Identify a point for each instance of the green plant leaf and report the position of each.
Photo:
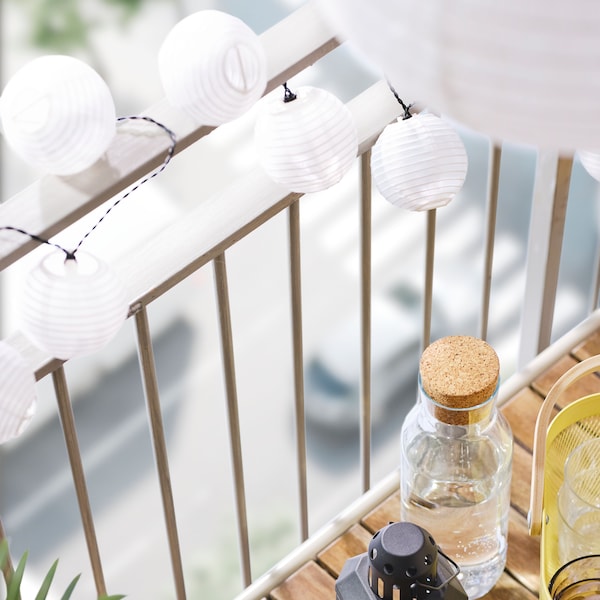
(115, 597)
(69, 590)
(45, 587)
(14, 585)
(14, 580)
(3, 553)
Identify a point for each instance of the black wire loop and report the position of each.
(288, 95)
(407, 114)
(36, 238)
(70, 254)
(161, 168)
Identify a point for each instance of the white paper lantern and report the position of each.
(17, 393)
(419, 163)
(72, 307)
(521, 71)
(58, 114)
(212, 66)
(307, 144)
(591, 163)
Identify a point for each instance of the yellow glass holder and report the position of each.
(554, 440)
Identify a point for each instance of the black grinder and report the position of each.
(403, 563)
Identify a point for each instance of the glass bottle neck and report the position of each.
(456, 421)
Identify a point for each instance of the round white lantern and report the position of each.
(419, 163)
(520, 71)
(72, 307)
(58, 114)
(307, 144)
(591, 163)
(17, 393)
(212, 66)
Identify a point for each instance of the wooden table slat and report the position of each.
(387, 512)
(508, 588)
(582, 387)
(311, 582)
(521, 411)
(354, 541)
(522, 557)
(589, 347)
(520, 485)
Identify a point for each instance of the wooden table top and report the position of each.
(520, 580)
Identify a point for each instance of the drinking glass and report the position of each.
(577, 580)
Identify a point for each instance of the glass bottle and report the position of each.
(456, 459)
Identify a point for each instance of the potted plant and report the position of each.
(13, 578)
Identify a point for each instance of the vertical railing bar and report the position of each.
(559, 211)
(220, 271)
(298, 358)
(151, 392)
(67, 420)
(365, 319)
(429, 262)
(490, 234)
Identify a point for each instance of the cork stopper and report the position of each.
(459, 372)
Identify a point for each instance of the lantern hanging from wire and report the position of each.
(307, 140)
(58, 114)
(74, 303)
(72, 306)
(17, 393)
(419, 162)
(212, 66)
(524, 72)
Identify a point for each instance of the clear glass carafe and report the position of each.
(457, 457)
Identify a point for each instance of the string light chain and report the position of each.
(70, 254)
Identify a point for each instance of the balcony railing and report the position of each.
(204, 234)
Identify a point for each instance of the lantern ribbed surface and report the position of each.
(72, 307)
(17, 393)
(307, 144)
(591, 163)
(212, 66)
(419, 163)
(521, 71)
(58, 114)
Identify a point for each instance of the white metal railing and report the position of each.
(202, 236)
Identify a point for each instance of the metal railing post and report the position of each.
(233, 414)
(147, 364)
(490, 235)
(429, 262)
(365, 320)
(67, 420)
(298, 358)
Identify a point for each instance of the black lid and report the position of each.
(404, 556)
